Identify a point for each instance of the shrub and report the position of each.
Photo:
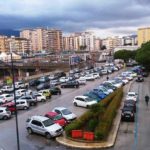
(92, 124)
(104, 126)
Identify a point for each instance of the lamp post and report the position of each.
(107, 76)
(16, 113)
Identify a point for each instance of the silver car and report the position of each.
(4, 113)
(44, 126)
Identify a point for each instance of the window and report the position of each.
(22, 102)
(37, 123)
(57, 111)
(1, 111)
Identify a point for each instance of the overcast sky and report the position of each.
(112, 17)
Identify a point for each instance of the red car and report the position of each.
(10, 106)
(57, 118)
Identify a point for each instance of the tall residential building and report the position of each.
(54, 39)
(4, 44)
(19, 45)
(43, 39)
(97, 44)
(143, 35)
(79, 41)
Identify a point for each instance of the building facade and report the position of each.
(143, 35)
(43, 39)
(4, 44)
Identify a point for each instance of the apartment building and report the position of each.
(19, 45)
(4, 44)
(43, 39)
(143, 35)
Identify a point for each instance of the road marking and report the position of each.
(136, 124)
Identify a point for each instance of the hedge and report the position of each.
(104, 126)
(96, 112)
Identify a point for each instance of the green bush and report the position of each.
(104, 126)
(92, 124)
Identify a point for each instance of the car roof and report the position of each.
(8, 104)
(81, 96)
(40, 118)
(51, 113)
(2, 108)
(60, 108)
(131, 93)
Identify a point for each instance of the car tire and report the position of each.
(75, 104)
(25, 107)
(87, 106)
(5, 118)
(48, 136)
(43, 100)
(29, 130)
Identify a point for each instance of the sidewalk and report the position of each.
(96, 145)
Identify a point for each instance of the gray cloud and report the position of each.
(76, 15)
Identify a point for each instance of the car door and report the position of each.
(80, 101)
(9, 98)
(37, 127)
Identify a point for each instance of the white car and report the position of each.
(67, 114)
(40, 97)
(6, 98)
(118, 85)
(82, 81)
(20, 84)
(7, 88)
(83, 101)
(96, 75)
(63, 79)
(22, 92)
(132, 95)
(89, 77)
(44, 126)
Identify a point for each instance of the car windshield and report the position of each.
(57, 117)
(88, 99)
(48, 122)
(1, 97)
(66, 112)
(131, 95)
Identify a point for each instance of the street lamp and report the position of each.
(16, 113)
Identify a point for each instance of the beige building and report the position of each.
(19, 45)
(43, 39)
(4, 44)
(143, 35)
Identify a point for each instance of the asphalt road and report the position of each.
(135, 136)
(125, 139)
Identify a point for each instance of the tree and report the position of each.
(103, 47)
(125, 55)
(143, 55)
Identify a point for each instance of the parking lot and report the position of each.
(36, 141)
(127, 135)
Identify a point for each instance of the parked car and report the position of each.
(92, 96)
(39, 97)
(132, 96)
(45, 93)
(4, 113)
(22, 92)
(42, 86)
(7, 89)
(127, 114)
(54, 82)
(43, 79)
(11, 107)
(89, 77)
(99, 93)
(139, 78)
(22, 104)
(34, 82)
(44, 126)
(4, 98)
(145, 74)
(21, 84)
(84, 101)
(55, 91)
(130, 103)
(70, 84)
(60, 74)
(66, 113)
(57, 118)
(81, 80)
(31, 100)
(96, 75)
